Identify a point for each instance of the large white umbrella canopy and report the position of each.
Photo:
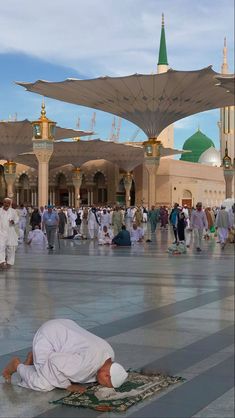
(77, 153)
(16, 137)
(152, 102)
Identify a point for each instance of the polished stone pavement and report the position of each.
(173, 314)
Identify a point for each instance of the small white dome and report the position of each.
(210, 157)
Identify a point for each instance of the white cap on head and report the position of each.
(118, 375)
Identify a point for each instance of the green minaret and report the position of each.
(162, 58)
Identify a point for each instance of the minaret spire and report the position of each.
(224, 66)
(162, 57)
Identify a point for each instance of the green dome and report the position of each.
(197, 143)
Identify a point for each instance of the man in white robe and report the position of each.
(104, 218)
(136, 233)
(37, 237)
(8, 236)
(105, 236)
(65, 354)
(22, 213)
(93, 223)
(223, 225)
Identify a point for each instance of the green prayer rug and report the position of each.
(137, 387)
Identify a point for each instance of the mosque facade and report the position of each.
(197, 176)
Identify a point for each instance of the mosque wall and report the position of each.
(177, 181)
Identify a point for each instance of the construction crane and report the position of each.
(115, 130)
(77, 138)
(134, 135)
(118, 129)
(92, 125)
(78, 123)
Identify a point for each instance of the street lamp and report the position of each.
(228, 167)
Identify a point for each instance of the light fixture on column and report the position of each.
(227, 161)
(152, 147)
(43, 128)
(228, 167)
(9, 167)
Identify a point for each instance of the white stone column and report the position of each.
(229, 182)
(53, 196)
(32, 197)
(77, 182)
(88, 197)
(43, 156)
(17, 197)
(152, 161)
(10, 177)
(127, 180)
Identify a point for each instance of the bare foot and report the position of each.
(29, 359)
(75, 388)
(11, 368)
(3, 266)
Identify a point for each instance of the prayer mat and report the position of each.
(137, 387)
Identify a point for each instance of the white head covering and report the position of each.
(118, 375)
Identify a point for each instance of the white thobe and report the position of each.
(104, 219)
(223, 223)
(8, 235)
(136, 234)
(71, 224)
(22, 218)
(37, 237)
(93, 225)
(103, 238)
(63, 352)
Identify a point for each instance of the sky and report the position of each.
(55, 40)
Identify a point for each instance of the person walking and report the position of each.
(35, 218)
(174, 220)
(153, 217)
(223, 225)
(198, 224)
(62, 222)
(8, 236)
(93, 223)
(50, 220)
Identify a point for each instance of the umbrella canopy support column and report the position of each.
(43, 138)
(152, 149)
(77, 182)
(127, 179)
(10, 177)
(228, 167)
(229, 184)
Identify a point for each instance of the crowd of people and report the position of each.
(114, 226)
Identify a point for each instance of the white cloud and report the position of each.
(116, 37)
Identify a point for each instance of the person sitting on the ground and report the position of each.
(105, 236)
(64, 355)
(136, 233)
(36, 236)
(122, 239)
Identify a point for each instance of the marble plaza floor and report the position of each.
(165, 313)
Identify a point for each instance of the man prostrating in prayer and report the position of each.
(64, 355)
